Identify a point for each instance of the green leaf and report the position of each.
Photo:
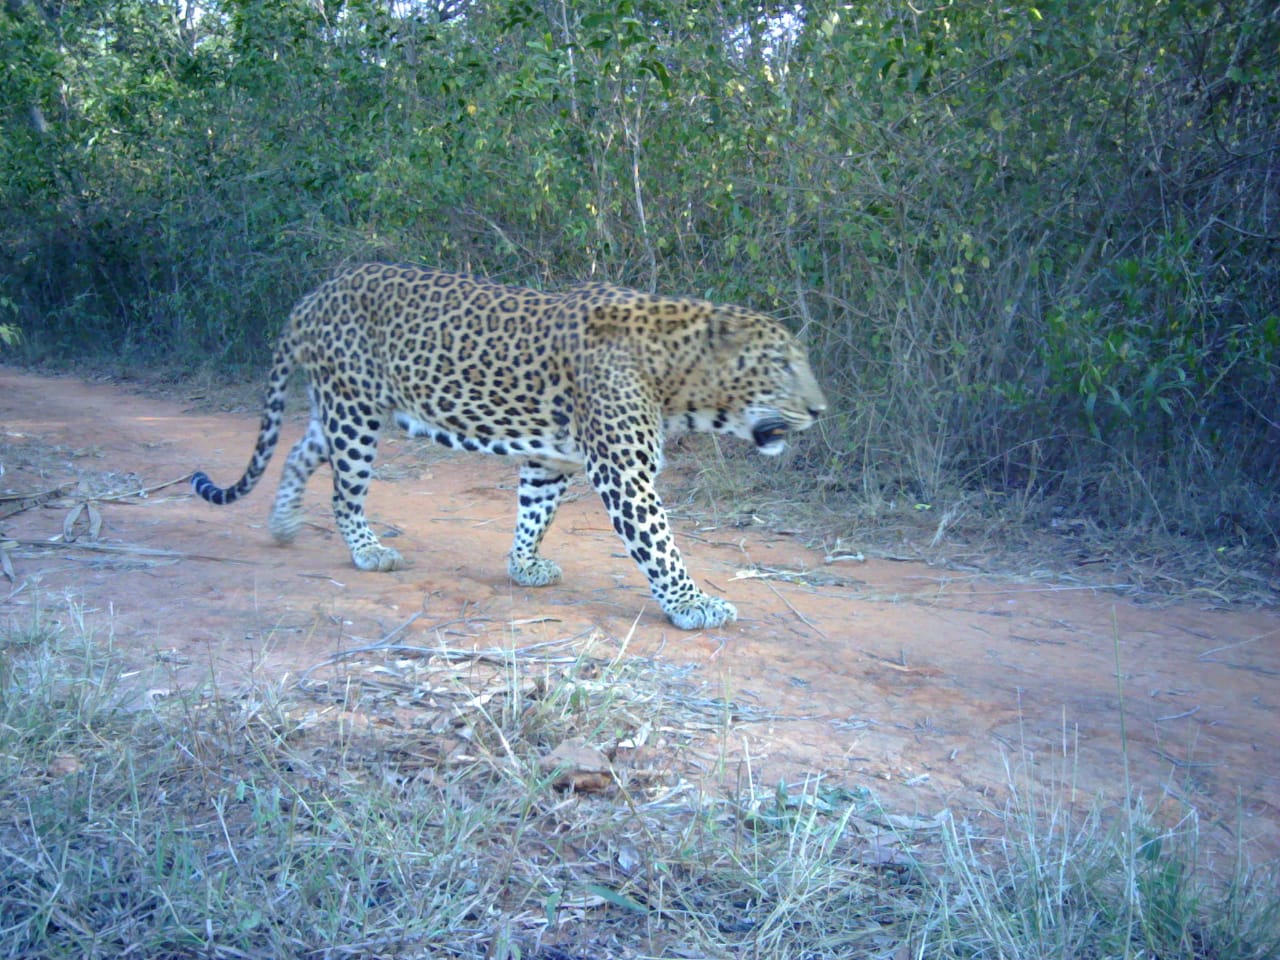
(616, 898)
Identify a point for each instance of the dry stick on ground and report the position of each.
(130, 549)
(491, 655)
(693, 704)
(141, 492)
(1208, 654)
(27, 501)
(37, 494)
(790, 606)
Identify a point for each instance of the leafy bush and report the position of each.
(1032, 246)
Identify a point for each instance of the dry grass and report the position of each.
(428, 802)
(999, 533)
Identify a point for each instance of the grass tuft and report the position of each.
(527, 804)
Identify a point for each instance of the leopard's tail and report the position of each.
(268, 433)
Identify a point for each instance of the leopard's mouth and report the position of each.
(770, 435)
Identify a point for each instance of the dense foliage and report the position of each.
(1034, 247)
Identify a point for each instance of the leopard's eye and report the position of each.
(776, 360)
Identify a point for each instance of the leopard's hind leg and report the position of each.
(307, 454)
(348, 428)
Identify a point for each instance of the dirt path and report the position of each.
(915, 682)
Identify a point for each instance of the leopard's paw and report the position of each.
(702, 612)
(285, 524)
(377, 558)
(534, 571)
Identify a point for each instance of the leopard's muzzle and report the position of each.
(770, 435)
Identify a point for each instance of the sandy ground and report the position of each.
(924, 685)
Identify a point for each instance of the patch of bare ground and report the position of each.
(920, 683)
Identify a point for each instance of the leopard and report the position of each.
(594, 378)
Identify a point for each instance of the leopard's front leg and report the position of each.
(623, 456)
(542, 485)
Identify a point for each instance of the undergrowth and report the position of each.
(327, 820)
(1005, 531)
(1030, 247)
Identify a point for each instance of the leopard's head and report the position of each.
(766, 387)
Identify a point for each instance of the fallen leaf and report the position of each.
(63, 765)
(578, 767)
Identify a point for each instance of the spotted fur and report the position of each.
(593, 378)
